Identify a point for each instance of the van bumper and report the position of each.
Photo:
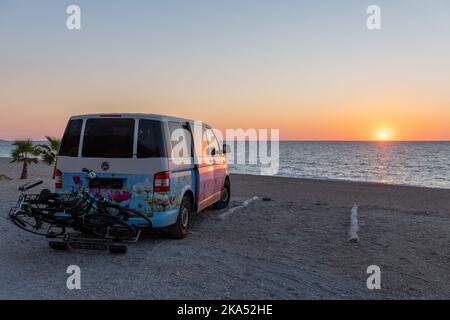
(159, 219)
(164, 218)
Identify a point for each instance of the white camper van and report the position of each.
(150, 163)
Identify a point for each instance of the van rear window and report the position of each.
(71, 140)
(108, 138)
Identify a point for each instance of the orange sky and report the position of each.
(314, 74)
(298, 123)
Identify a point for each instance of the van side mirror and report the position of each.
(211, 151)
(226, 148)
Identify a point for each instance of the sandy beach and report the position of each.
(292, 247)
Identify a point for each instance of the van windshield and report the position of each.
(108, 138)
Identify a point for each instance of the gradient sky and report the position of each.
(309, 68)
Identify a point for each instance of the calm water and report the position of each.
(410, 163)
(6, 147)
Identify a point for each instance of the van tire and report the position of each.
(180, 229)
(224, 196)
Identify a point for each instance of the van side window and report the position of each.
(180, 140)
(150, 140)
(71, 140)
(210, 142)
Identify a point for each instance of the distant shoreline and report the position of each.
(365, 141)
(313, 180)
(12, 141)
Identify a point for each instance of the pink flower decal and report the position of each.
(120, 196)
(77, 184)
(77, 180)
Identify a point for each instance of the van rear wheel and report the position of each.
(224, 196)
(180, 229)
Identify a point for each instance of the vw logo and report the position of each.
(105, 166)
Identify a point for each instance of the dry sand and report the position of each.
(293, 247)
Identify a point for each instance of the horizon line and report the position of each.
(288, 140)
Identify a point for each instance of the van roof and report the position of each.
(131, 115)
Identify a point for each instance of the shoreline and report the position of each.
(337, 193)
(386, 184)
(375, 183)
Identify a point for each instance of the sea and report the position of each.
(425, 164)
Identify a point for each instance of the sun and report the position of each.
(383, 136)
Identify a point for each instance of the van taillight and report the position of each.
(161, 182)
(58, 179)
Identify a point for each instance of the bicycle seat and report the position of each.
(54, 199)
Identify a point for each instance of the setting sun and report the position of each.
(383, 136)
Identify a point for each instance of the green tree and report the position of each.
(26, 153)
(50, 151)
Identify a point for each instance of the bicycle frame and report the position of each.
(97, 222)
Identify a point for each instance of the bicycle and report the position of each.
(95, 220)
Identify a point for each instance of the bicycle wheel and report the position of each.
(108, 227)
(32, 222)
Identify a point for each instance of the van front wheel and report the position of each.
(180, 229)
(224, 196)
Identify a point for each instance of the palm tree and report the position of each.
(26, 153)
(50, 151)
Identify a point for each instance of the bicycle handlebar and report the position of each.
(28, 187)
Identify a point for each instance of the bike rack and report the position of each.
(77, 240)
(56, 230)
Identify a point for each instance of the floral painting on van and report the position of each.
(137, 191)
